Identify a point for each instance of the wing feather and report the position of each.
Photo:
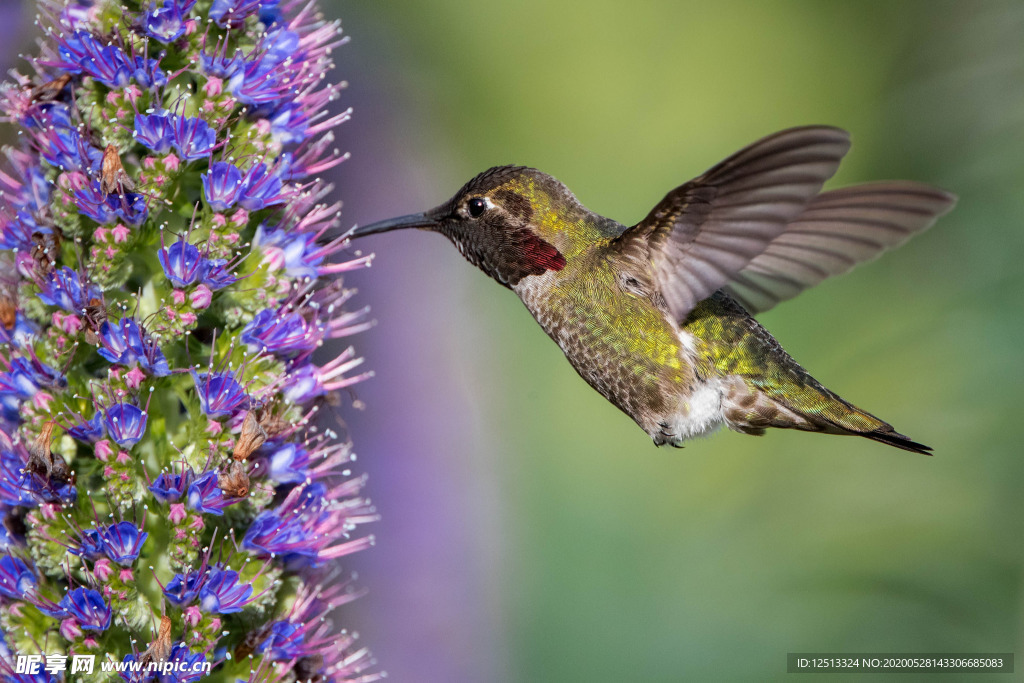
(837, 230)
(703, 233)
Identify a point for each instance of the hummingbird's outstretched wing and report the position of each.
(837, 230)
(705, 232)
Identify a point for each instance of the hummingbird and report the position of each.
(659, 317)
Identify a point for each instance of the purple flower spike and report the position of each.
(260, 188)
(155, 132)
(122, 542)
(183, 589)
(88, 607)
(221, 185)
(181, 262)
(168, 488)
(115, 283)
(205, 496)
(219, 393)
(125, 423)
(223, 594)
(16, 579)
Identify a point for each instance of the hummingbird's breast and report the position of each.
(615, 337)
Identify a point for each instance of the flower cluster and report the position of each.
(168, 489)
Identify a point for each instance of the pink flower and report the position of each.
(102, 569)
(133, 378)
(177, 513)
(192, 615)
(201, 297)
(213, 86)
(103, 450)
(70, 629)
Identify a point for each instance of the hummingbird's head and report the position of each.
(507, 220)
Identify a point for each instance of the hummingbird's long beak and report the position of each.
(423, 221)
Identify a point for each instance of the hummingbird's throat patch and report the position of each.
(534, 256)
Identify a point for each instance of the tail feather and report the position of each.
(807, 406)
(894, 438)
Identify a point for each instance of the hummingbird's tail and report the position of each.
(803, 403)
(762, 386)
(894, 438)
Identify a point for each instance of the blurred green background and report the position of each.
(598, 557)
(533, 533)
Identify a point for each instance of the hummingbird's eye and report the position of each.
(476, 206)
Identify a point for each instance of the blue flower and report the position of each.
(82, 53)
(166, 23)
(16, 579)
(205, 496)
(270, 12)
(304, 384)
(216, 275)
(181, 262)
(124, 344)
(219, 393)
(289, 464)
(298, 254)
(26, 377)
(65, 289)
(90, 545)
(232, 12)
(232, 69)
(155, 132)
(183, 589)
(63, 146)
(125, 423)
(193, 138)
(87, 430)
(221, 185)
(88, 608)
(168, 488)
(289, 123)
(223, 594)
(187, 667)
(122, 542)
(283, 643)
(8, 540)
(21, 335)
(285, 334)
(271, 534)
(260, 188)
(21, 488)
(108, 208)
